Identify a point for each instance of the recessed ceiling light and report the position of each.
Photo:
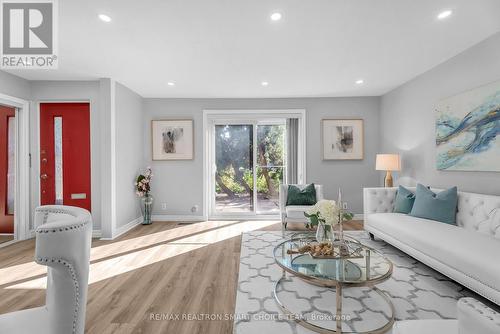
(359, 82)
(170, 83)
(264, 83)
(104, 18)
(444, 14)
(276, 16)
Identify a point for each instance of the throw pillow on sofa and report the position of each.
(304, 196)
(441, 207)
(404, 200)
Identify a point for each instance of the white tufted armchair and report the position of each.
(63, 241)
(295, 213)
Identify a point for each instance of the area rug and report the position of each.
(416, 291)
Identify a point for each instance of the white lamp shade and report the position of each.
(388, 162)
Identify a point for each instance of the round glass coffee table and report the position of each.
(365, 268)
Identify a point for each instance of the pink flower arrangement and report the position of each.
(142, 184)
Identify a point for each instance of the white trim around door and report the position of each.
(22, 185)
(212, 117)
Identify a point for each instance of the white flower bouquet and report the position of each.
(325, 211)
(326, 214)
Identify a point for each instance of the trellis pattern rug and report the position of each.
(417, 292)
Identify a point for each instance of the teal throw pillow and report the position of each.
(404, 200)
(305, 196)
(441, 207)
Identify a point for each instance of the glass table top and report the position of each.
(368, 267)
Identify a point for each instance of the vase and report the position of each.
(146, 209)
(339, 233)
(324, 233)
(339, 240)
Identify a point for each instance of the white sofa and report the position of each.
(468, 253)
(295, 213)
(473, 318)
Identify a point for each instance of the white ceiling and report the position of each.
(226, 48)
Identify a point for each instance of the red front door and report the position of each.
(7, 168)
(65, 154)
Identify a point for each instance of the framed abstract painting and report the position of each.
(342, 139)
(468, 130)
(172, 139)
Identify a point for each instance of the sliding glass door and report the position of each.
(234, 168)
(249, 166)
(270, 166)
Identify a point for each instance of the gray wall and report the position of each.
(129, 152)
(14, 86)
(180, 183)
(407, 117)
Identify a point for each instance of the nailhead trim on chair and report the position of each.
(67, 264)
(66, 212)
(71, 270)
(41, 229)
(69, 228)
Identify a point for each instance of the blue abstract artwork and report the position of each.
(468, 130)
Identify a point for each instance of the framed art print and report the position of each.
(342, 139)
(172, 139)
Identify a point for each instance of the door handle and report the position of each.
(44, 176)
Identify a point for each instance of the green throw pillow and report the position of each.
(404, 200)
(306, 196)
(441, 207)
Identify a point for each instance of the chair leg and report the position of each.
(283, 228)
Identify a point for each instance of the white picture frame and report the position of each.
(172, 139)
(342, 139)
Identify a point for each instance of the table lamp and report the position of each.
(388, 163)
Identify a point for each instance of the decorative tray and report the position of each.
(324, 250)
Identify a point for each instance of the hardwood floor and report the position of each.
(142, 280)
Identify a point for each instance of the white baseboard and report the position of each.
(7, 243)
(249, 218)
(96, 233)
(358, 216)
(177, 218)
(123, 229)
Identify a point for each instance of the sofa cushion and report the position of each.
(297, 211)
(441, 207)
(304, 196)
(404, 200)
(473, 254)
